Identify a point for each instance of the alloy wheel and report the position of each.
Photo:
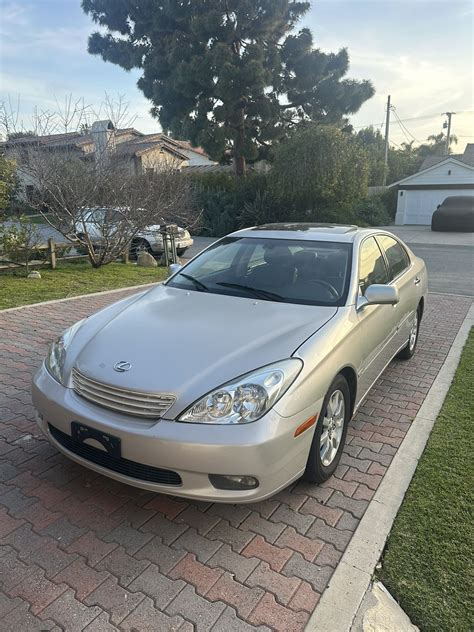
(333, 427)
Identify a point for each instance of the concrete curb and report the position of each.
(73, 298)
(341, 600)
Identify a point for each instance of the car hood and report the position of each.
(189, 342)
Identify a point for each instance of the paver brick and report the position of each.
(202, 577)
(70, 613)
(147, 618)
(371, 480)
(308, 547)
(191, 541)
(338, 537)
(7, 523)
(37, 590)
(63, 531)
(283, 587)
(231, 592)
(329, 514)
(276, 557)
(238, 565)
(91, 547)
(157, 586)
(166, 505)
(21, 619)
(116, 600)
(305, 598)
(288, 516)
(82, 578)
(317, 576)
(356, 507)
(101, 624)
(236, 538)
(279, 618)
(201, 521)
(163, 556)
(257, 524)
(196, 609)
(229, 622)
(168, 531)
(122, 565)
(131, 539)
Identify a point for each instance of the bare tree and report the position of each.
(65, 184)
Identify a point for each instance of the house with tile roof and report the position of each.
(128, 146)
(439, 177)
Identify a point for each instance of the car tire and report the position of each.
(321, 463)
(136, 246)
(180, 251)
(409, 350)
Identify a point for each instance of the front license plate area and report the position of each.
(111, 444)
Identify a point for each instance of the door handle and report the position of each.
(417, 281)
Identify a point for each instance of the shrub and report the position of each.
(372, 212)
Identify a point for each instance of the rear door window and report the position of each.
(396, 254)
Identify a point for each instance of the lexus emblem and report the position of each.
(122, 366)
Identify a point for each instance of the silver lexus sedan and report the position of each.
(241, 372)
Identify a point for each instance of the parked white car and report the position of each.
(97, 221)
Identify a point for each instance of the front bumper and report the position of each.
(265, 449)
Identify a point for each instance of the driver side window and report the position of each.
(372, 268)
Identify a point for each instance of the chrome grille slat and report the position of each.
(136, 403)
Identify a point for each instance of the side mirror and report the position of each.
(174, 268)
(378, 294)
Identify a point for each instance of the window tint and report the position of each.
(372, 268)
(396, 255)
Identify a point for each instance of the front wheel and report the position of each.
(137, 246)
(330, 434)
(409, 350)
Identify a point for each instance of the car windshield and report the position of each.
(284, 270)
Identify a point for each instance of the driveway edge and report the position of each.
(72, 298)
(340, 602)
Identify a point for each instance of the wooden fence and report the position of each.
(51, 256)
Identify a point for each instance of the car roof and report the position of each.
(306, 231)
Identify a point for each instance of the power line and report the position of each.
(416, 118)
(403, 127)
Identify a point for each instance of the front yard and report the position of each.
(427, 565)
(71, 279)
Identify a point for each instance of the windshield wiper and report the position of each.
(264, 294)
(197, 284)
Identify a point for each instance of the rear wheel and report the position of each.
(330, 434)
(409, 350)
(180, 251)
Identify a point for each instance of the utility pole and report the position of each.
(448, 133)
(387, 127)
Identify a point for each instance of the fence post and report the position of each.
(125, 256)
(52, 253)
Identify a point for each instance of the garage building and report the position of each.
(438, 178)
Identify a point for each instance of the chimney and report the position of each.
(103, 136)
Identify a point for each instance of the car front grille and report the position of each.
(136, 403)
(122, 466)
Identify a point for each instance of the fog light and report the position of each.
(220, 481)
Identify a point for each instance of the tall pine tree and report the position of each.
(230, 75)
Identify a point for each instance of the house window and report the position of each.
(401, 193)
(449, 172)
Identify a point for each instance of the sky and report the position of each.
(421, 52)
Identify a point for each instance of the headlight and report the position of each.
(57, 352)
(247, 398)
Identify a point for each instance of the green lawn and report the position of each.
(427, 565)
(71, 279)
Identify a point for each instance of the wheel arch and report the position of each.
(421, 306)
(350, 376)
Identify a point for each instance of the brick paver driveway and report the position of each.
(79, 551)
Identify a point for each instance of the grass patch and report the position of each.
(71, 279)
(427, 565)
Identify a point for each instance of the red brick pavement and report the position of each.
(82, 552)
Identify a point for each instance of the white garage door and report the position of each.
(420, 205)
